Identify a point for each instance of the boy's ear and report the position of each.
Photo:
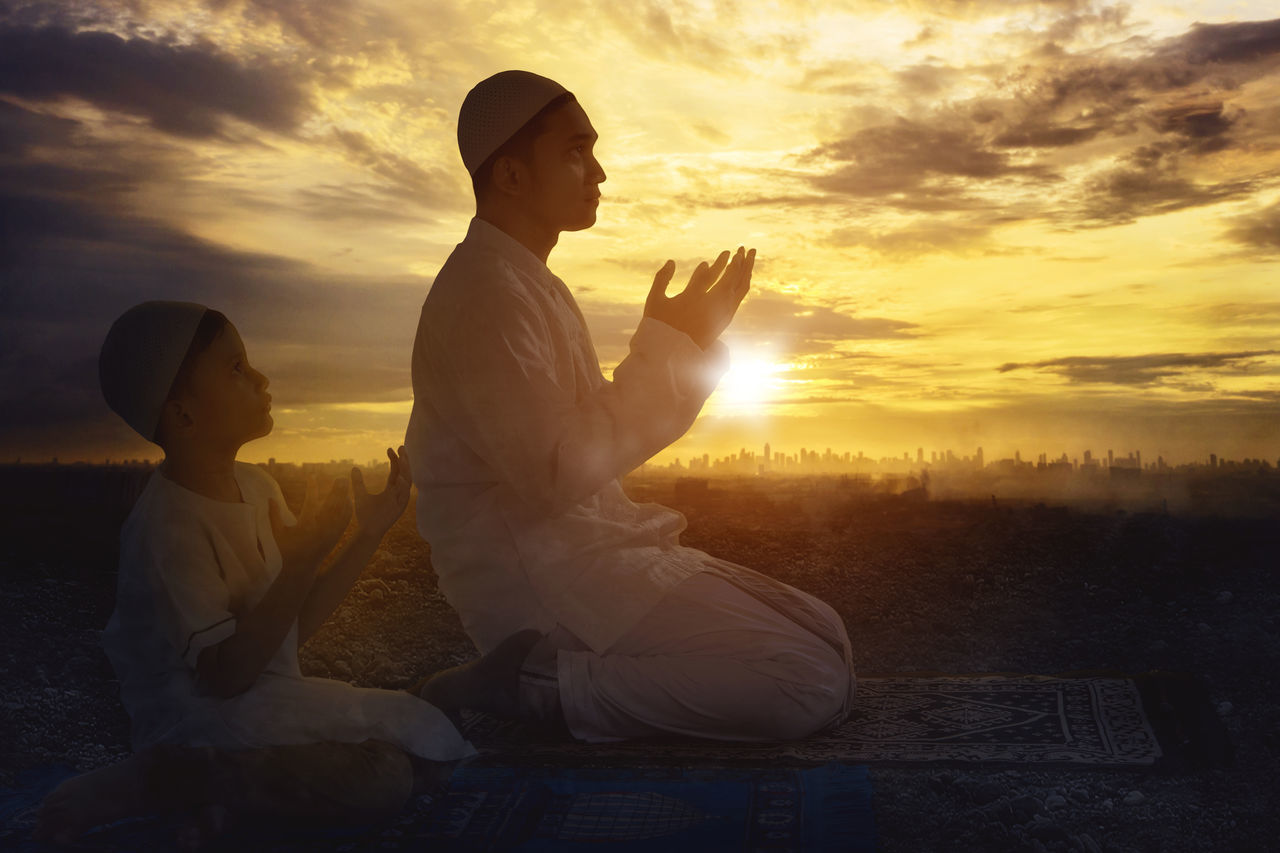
(174, 419)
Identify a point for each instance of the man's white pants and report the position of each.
(710, 660)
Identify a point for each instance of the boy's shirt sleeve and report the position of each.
(193, 601)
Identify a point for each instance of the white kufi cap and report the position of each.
(496, 108)
(140, 359)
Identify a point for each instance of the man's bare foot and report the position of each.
(92, 799)
(490, 683)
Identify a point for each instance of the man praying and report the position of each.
(588, 612)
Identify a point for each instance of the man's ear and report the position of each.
(510, 176)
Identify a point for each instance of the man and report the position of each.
(585, 606)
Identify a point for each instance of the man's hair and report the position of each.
(520, 145)
(212, 324)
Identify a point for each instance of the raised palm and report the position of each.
(706, 306)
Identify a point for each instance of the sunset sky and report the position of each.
(1037, 226)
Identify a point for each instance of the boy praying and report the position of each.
(218, 586)
(588, 612)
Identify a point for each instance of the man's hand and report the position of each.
(376, 513)
(319, 526)
(706, 306)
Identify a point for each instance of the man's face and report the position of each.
(565, 175)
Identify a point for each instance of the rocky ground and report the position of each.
(949, 586)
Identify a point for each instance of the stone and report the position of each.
(1158, 646)
(1225, 708)
(1224, 597)
(1133, 798)
(1049, 833)
(1203, 627)
(1055, 801)
(1086, 843)
(1025, 808)
(986, 792)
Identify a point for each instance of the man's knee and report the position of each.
(818, 703)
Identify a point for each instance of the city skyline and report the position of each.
(1010, 224)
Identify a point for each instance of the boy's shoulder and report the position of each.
(159, 516)
(262, 489)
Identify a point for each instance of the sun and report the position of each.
(750, 385)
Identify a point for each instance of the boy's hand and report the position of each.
(376, 513)
(319, 527)
(706, 306)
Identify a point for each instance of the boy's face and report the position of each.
(565, 175)
(227, 399)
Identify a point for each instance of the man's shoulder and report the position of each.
(475, 280)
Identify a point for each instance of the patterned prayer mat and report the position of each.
(532, 810)
(993, 719)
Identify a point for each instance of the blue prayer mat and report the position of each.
(546, 809)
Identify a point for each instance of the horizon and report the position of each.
(1045, 226)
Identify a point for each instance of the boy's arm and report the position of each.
(231, 666)
(374, 516)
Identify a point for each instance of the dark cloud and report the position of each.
(187, 90)
(1141, 369)
(1258, 231)
(21, 129)
(1151, 182)
(1171, 101)
(406, 180)
(73, 257)
(915, 163)
(1236, 42)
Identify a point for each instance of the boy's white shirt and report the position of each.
(188, 565)
(517, 442)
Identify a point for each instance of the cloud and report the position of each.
(915, 240)
(73, 257)
(1259, 231)
(798, 327)
(186, 90)
(406, 179)
(1140, 370)
(1118, 132)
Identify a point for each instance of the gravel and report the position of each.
(953, 587)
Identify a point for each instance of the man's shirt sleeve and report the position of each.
(554, 442)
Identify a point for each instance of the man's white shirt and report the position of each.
(517, 442)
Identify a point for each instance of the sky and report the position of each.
(1045, 227)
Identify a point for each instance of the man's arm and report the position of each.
(493, 374)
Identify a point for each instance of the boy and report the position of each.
(585, 606)
(218, 586)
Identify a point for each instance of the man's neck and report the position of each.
(534, 237)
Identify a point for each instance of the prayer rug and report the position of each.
(1151, 721)
(533, 810)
